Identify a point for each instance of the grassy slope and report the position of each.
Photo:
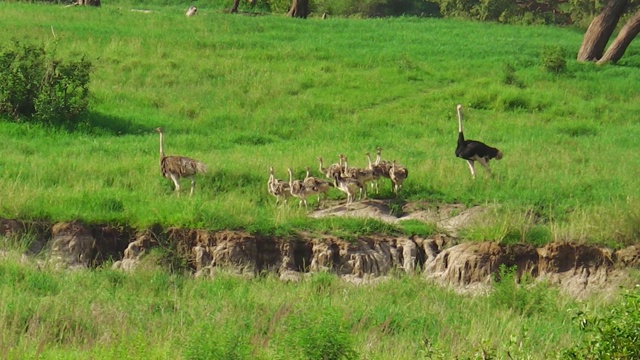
(108, 314)
(245, 93)
(271, 91)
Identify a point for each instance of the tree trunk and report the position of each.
(234, 9)
(600, 30)
(89, 2)
(622, 41)
(299, 9)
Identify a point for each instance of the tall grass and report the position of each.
(151, 313)
(244, 93)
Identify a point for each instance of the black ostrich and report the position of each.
(472, 150)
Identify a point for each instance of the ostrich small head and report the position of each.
(498, 155)
(459, 107)
(158, 130)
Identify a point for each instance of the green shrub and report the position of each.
(523, 297)
(35, 86)
(504, 11)
(496, 10)
(614, 335)
(376, 8)
(509, 76)
(553, 59)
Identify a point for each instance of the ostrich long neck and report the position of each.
(321, 166)
(369, 160)
(161, 146)
(290, 179)
(271, 177)
(459, 119)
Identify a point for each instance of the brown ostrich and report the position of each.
(176, 167)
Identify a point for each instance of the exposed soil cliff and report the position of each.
(578, 269)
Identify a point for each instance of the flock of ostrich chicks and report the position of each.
(339, 176)
(350, 180)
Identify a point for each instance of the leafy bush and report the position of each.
(509, 76)
(376, 8)
(583, 11)
(35, 86)
(553, 59)
(524, 296)
(496, 10)
(522, 12)
(614, 335)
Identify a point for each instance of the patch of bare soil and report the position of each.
(449, 218)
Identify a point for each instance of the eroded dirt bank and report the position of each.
(578, 269)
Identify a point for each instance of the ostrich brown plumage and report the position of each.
(378, 169)
(299, 190)
(176, 167)
(398, 174)
(362, 176)
(278, 188)
(347, 186)
(320, 186)
(472, 150)
(331, 170)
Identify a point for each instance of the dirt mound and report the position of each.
(449, 218)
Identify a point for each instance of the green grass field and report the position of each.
(243, 93)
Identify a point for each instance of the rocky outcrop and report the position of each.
(577, 268)
(72, 245)
(134, 251)
(472, 263)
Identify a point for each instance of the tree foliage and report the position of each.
(509, 11)
(376, 8)
(614, 335)
(35, 86)
(560, 12)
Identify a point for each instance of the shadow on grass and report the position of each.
(99, 124)
(106, 124)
